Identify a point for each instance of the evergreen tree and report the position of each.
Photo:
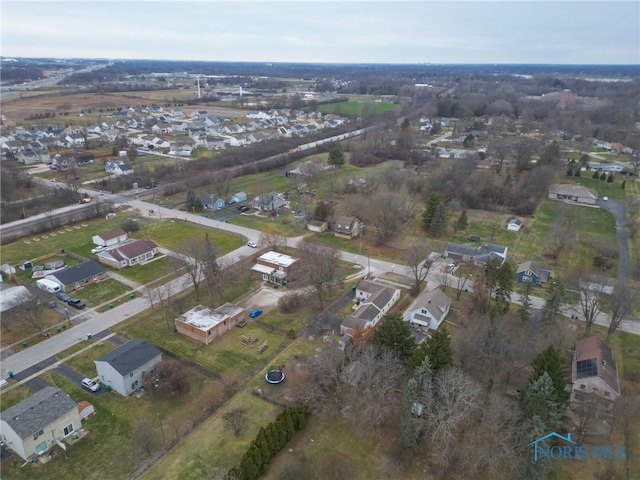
(624, 184)
(336, 156)
(540, 400)
(552, 362)
(595, 175)
(435, 199)
(553, 302)
(504, 287)
(322, 211)
(610, 178)
(603, 176)
(439, 221)
(524, 309)
(393, 332)
(289, 425)
(436, 348)
(462, 222)
(577, 174)
(265, 451)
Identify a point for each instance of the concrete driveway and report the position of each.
(75, 377)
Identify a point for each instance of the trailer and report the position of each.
(48, 286)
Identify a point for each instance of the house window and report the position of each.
(583, 386)
(131, 374)
(68, 429)
(607, 393)
(41, 432)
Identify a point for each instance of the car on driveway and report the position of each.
(98, 249)
(63, 296)
(76, 303)
(90, 385)
(252, 244)
(255, 312)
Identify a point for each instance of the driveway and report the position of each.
(617, 207)
(75, 377)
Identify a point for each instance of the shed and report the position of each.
(238, 197)
(86, 409)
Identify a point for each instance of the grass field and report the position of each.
(101, 292)
(604, 189)
(169, 233)
(356, 107)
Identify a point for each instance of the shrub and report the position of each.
(292, 302)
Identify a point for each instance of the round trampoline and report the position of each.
(274, 376)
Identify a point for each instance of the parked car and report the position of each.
(63, 296)
(98, 249)
(252, 244)
(245, 209)
(90, 385)
(76, 303)
(240, 207)
(255, 312)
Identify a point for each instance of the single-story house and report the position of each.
(346, 227)
(476, 255)
(317, 226)
(533, 272)
(593, 373)
(431, 308)
(514, 225)
(123, 368)
(238, 197)
(375, 300)
(205, 324)
(78, 276)
(110, 238)
(574, 193)
(129, 254)
(268, 202)
(276, 267)
(40, 422)
(211, 202)
(608, 167)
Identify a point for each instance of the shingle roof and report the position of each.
(79, 272)
(595, 359)
(136, 248)
(543, 273)
(38, 411)
(573, 191)
(112, 234)
(130, 356)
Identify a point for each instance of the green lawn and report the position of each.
(9, 398)
(104, 291)
(604, 189)
(144, 274)
(356, 107)
(83, 362)
(169, 233)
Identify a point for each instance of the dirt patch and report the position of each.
(265, 297)
(290, 391)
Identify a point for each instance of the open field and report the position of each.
(356, 107)
(100, 292)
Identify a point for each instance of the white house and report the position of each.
(374, 301)
(137, 252)
(40, 422)
(123, 369)
(238, 197)
(431, 308)
(118, 168)
(514, 225)
(110, 238)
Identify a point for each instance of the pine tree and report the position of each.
(336, 156)
(524, 309)
(504, 287)
(552, 362)
(603, 176)
(610, 178)
(435, 199)
(289, 425)
(553, 302)
(436, 348)
(540, 400)
(462, 222)
(394, 333)
(595, 175)
(439, 221)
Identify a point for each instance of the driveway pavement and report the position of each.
(617, 208)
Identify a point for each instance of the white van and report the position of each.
(48, 285)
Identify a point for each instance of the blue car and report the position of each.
(255, 312)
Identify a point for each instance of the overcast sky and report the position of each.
(346, 31)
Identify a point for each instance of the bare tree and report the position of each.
(524, 148)
(590, 290)
(221, 183)
(386, 213)
(198, 257)
(500, 152)
(29, 310)
(236, 420)
(621, 305)
(562, 232)
(272, 239)
(145, 434)
(320, 268)
(416, 259)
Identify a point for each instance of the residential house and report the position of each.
(268, 202)
(118, 168)
(74, 140)
(211, 201)
(84, 158)
(128, 254)
(431, 308)
(123, 368)
(278, 268)
(204, 324)
(594, 375)
(608, 167)
(514, 225)
(40, 422)
(346, 227)
(238, 197)
(573, 193)
(183, 148)
(214, 142)
(533, 272)
(476, 255)
(374, 301)
(110, 238)
(29, 156)
(78, 276)
(63, 162)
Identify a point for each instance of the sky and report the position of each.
(344, 31)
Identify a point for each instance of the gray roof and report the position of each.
(543, 273)
(130, 356)
(79, 272)
(38, 411)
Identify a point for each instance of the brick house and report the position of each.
(204, 324)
